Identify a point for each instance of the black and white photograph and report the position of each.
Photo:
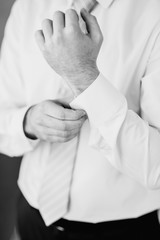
(79, 119)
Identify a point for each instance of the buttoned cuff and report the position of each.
(22, 143)
(101, 100)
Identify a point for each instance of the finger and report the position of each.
(57, 111)
(58, 133)
(73, 115)
(40, 39)
(51, 122)
(51, 135)
(58, 21)
(71, 18)
(47, 27)
(92, 25)
(60, 139)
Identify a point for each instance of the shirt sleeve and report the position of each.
(131, 142)
(13, 99)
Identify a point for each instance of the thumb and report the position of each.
(92, 25)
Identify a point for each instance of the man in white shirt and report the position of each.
(95, 91)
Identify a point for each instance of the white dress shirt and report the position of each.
(117, 171)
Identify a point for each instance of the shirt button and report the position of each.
(60, 228)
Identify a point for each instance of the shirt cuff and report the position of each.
(17, 132)
(101, 101)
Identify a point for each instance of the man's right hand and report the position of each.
(51, 121)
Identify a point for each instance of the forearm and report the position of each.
(125, 139)
(82, 77)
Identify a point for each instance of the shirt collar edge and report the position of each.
(105, 3)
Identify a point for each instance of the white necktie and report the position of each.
(55, 189)
(54, 194)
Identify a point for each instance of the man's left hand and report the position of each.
(70, 52)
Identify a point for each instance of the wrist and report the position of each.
(82, 80)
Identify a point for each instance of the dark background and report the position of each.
(9, 167)
(5, 6)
